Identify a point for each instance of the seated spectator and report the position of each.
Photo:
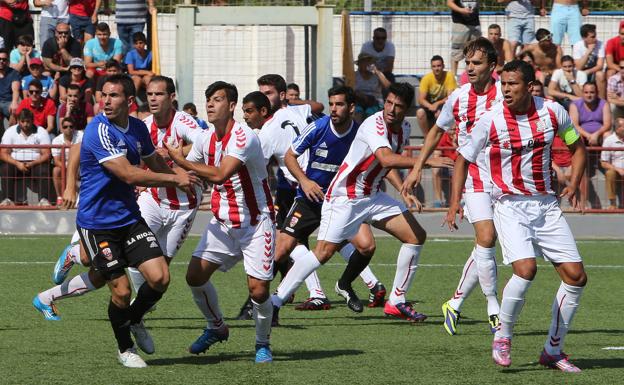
(382, 50)
(441, 177)
(615, 92)
(25, 166)
(435, 87)
(76, 107)
(566, 82)
(190, 109)
(613, 163)
(58, 50)
(546, 55)
(537, 89)
(112, 68)
(76, 76)
(69, 135)
(100, 50)
(139, 62)
(527, 56)
(43, 109)
(9, 89)
(36, 72)
(23, 53)
(292, 92)
(82, 18)
(53, 12)
(15, 20)
(614, 52)
(369, 84)
(589, 55)
(503, 47)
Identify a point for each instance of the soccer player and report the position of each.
(354, 197)
(230, 157)
(462, 109)
(517, 136)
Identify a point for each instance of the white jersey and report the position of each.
(463, 108)
(244, 199)
(181, 130)
(518, 147)
(360, 174)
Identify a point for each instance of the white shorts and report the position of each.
(531, 226)
(226, 246)
(171, 227)
(341, 217)
(478, 206)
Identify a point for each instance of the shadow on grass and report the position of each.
(585, 331)
(582, 363)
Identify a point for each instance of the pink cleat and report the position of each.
(558, 361)
(501, 351)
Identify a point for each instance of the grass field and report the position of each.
(333, 347)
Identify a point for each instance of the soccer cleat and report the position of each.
(353, 302)
(263, 354)
(451, 318)
(142, 337)
(314, 304)
(208, 338)
(494, 323)
(377, 295)
(559, 361)
(246, 311)
(501, 351)
(275, 318)
(130, 359)
(64, 263)
(48, 311)
(404, 311)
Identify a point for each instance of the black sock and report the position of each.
(357, 263)
(119, 319)
(145, 299)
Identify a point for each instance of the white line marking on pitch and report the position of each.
(613, 348)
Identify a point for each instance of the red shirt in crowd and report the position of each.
(615, 48)
(79, 115)
(6, 11)
(41, 114)
(82, 8)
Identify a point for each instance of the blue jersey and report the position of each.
(106, 202)
(327, 150)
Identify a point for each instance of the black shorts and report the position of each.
(302, 219)
(284, 199)
(112, 250)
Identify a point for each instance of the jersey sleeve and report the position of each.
(196, 154)
(305, 140)
(565, 129)
(446, 119)
(374, 135)
(98, 141)
(239, 145)
(477, 138)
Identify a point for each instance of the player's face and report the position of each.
(479, 70)
(589, 93)
(158, 99)
(218, 108)
(437, 67)
(292, 94)
(116, 103)
(494, 34)
(394, 110)
(274, 97)
(340, 111)
(515, 89)
(253, 116)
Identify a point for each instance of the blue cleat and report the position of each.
(209, 338)
(263, 354)
(63, 265)
(48, 311)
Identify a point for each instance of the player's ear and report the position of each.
(351, 108)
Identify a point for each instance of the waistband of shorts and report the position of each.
(545, 198)
(558, 5)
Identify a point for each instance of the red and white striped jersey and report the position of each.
(360, 174)
(244, 198)
(463, 108)
(181, 130)
(518, 147)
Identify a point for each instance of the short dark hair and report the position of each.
(139, 36)
(102, 27)
(586, 29)
(436, 58)
(293, 86)
(124, 81)
(380, 29)
(170, 85)
(494, 26)
(343, 90)
(73, 86)
(485, 46)
(541, 33)
(590, 84)
(567, 58)
(537, 82)
(36, 83)
(258, 99)
(528, 74)
(26, 114)
(25, 40)
(231, 93)
(403, 90)
(4, 50)
(68, 119)
(112, 63)
(274, 80)
(190, 106)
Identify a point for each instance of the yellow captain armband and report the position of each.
(569, 135)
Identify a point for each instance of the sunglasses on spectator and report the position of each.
(547, 37)
(68, 126)
(63, 32)
(4, 59)
(34, 91)
(380, 37)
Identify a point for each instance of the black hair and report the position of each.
(528, 74)
(436, 58)
(586, 29)
(590, 84)
(170, 85)
(274, 80)
(494, 26)
(124, 81)
(102, 27)
(485, 46)
(73, 86)
(36, 83)
(68, 119)
(403, 90)
(112, 63)
(380, 29)
(541, 33)
(25, 40)
(190, 106)
(258, 99)
(293, 86)
(139, 36)
(231, 92)
(343, 90)
(567, 58)
(26, 114)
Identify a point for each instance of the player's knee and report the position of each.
(259, 293)
(420, 113)
(367, 249)
(576, 278)
(195, 278)
(526, 271)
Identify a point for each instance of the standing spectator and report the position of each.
(434, 89)
(139, 62)
(69, 135)
(520, 21)
(292, 92)
(589, 55)
(25, 166)
(9, 89)
(59, 49)
(614, 52)
(82, 18)
(565, 16)
(43, 109)
(76, 107)
(566, 82)
(15, 20)
(613, 163)
(503, 47)
(36, 72)
(369, 84)
(382, 50)
(22, 54)
(190, 109)
(100, 50)
(615, 92)
(466, 27)
(130, 16)
(76, 76)
(546, 55)
(53, 12)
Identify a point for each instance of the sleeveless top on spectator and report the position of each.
(591, 121)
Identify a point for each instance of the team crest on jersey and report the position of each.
(540, 126)
(107, 253)
(506, 145)
(463, 118)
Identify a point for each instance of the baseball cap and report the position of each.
(76, 62)
(36, 61)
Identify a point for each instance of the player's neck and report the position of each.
(120, 121)
(222, 127)
(523, 107)
(343, 127)
(481, 88)
(164, 117)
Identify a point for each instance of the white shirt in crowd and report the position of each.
(14, 136)
(616, 158)
(564, 86)
(60, 139)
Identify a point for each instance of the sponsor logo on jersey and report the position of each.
(153, 245)
(322, 153)
(293, 221)
(323, 145)
(107, 253)
(112, 263)
(540, 126)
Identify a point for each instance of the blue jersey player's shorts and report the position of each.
(302, 219)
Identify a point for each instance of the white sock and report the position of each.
(370, 280)
(312, 281)
(298, 252)
(262, 314)
(563, 309)
(407, 262)
(303, 267)
(486, 269)
(205, 297)
(468, 281)
(78, 285)
(136, 278)
(74, 252)
(511, 305)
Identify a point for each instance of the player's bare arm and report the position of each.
(410, 199)
(579, 158)
(310, 188)
(122, 169)
(228, 167)
(389, 159)
(460, 173)
(315, 106)
(431, 142)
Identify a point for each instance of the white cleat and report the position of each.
(142, 337)
(130, 359)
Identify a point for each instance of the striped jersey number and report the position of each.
(287, 123)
